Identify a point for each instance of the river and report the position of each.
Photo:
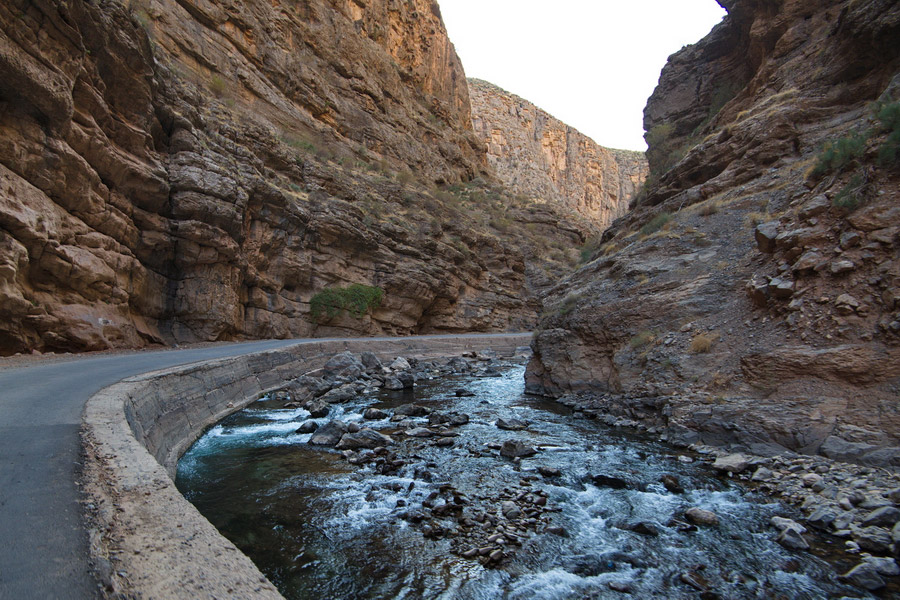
(605, 526)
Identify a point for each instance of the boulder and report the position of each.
(419, 432)
(874, 539)
(375, 414)
(345, 364)
(791, 538)
(699, 516)
(732, 463)
(393, 383)
(511, 424)
(782, 523)
(765, 234)
(329, 434)
(886, 516)
(815, 207)
(516, 449)
(412, 410)
(364, 438)
(307, 427)
(864, 575)
(510, 510)
(400, 364)
(457, 419)
(610, 481)
(338, 395)
(370, 361)
(318, 409)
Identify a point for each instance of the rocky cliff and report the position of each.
(752, 298)
(538, 156)
(184, 170)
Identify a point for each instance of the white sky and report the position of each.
(590, 63)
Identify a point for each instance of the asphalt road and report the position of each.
(43, 543)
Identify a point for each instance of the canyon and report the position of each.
(750, 297)
(176, 171)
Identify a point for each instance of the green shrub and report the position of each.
(656, 223)
(356, 299)
(217, 85)
(642, 339)
(851, 195)
(838, 154)
(889, 117)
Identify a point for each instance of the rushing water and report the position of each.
(320, 527)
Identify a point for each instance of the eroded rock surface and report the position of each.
(750, 300)
(177, 171)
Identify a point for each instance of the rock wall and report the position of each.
(183, 170)
(538, 156)
(751, 298)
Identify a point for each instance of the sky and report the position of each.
(590, 63)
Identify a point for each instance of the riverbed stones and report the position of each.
(864, 575)
(371, 361)
(364, 438)
(420, 432)
(400, 364)
(510, 510)
(375, 414)
(307, 427)
(412, 410)
(732, 463)
(672, 484)
(318, 409)
(791, 538)
(341, 394)
(549, 471)
(886, 516)
(782, 523)
(874, 539)
(699, 516)
(329, 434)
(516, 449)
(511, 424)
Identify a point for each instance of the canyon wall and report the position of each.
(752, 297)
(187, 170)
(538, 156)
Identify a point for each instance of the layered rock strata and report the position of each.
(538, 156)
(176, 170)
(751, 298)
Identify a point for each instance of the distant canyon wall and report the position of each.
(538, 156)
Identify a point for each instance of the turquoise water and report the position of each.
(320, 527)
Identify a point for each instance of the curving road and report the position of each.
(43, 543)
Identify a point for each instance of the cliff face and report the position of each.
(751, 298)
(186, 170)
(538, 156)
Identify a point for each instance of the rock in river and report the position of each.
(364, 438)
(516, 449)
(329, 434)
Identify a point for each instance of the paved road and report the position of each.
(43, 544)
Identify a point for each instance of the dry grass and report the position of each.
(703, 342)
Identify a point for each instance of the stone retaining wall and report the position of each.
(146, 539)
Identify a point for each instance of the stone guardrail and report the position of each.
(147, 540)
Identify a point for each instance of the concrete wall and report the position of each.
(135, 431)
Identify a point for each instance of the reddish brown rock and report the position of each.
(692, 322)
